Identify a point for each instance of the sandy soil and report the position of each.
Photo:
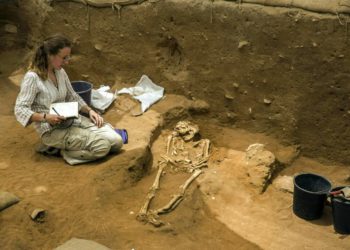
(99, 201)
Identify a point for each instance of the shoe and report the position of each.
(47, 150)
(123, 133)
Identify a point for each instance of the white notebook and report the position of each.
(66, 109)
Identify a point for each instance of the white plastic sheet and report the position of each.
(145, 91)
(101, 98)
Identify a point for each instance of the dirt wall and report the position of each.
(280, 71)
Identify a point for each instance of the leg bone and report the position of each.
(168, 145)
(175, 201)
(206, 148)
(151, 193)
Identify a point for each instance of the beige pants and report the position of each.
(84, 142)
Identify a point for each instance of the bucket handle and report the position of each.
(335, 193)
(330, 194)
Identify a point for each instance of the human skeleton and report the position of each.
(183, 153)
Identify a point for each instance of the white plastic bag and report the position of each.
(145, 91)
(101, 98)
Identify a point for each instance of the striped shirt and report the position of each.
(36, 96)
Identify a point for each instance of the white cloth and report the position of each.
(101, 98)
(82, 244)
(145, 91)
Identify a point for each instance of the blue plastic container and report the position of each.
(310, 194)
(124, 134)
(83, 89)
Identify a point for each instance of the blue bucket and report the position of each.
(83, 89)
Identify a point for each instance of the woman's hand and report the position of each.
(96, 118)
(54, 119)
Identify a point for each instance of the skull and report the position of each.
(186, 130)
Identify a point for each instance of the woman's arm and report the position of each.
(43, 117)
(23, 109)
(83, 107)
(96, 118)
(25, 99)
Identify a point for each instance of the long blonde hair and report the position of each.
(50, 46)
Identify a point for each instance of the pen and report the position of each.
(55, 111)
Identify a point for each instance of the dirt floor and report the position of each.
(244, 73)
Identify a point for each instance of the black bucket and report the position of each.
(83, 89)
(310, 194)
(341, 213)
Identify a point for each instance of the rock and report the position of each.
(10, 28)
(267, 101)
(243, 44)
(38, 215)
(82, 244)
(199, 107)
(7, 200)
(261, 165)
(85, 77)
(40, 189)
(229, 97)
(255, 151)
(98, 47)
(235, 85)
(284, 183)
